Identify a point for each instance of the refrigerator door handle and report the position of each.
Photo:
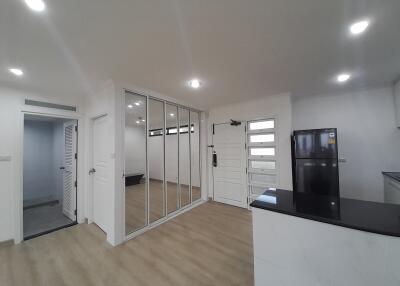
(294, 145)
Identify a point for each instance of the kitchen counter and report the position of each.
(393, 175)
(312, 240)
(381, 218)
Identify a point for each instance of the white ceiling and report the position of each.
(240, 49)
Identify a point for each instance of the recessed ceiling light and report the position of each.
(143, 120)
(36, 5)
(130, 106)
(15, 71)
(194, 83)
(137, 122)
(343, 77)
(359, 27)
(137, 103)
(171, 114)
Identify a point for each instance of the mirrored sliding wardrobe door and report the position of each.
(156, 160)
(171, 158)
(135, 163)
(195, 154)
(184, 157)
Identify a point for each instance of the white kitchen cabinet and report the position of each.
(397, 102)
(392, 190)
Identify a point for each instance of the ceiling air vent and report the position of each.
(49, 105)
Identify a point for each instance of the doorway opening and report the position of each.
(49, 174)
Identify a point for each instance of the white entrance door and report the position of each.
(69, 174)
(101, 172)
(229, 172)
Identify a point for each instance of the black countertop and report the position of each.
(373, 217)
(393, 175)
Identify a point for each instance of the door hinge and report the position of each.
(213, 129)
(76, 156)
(245, 146)
(76, 184)
(76, 128)
(246, 170)
(75, 212)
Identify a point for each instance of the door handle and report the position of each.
(215, 159)
(92, 171)
(62, 168)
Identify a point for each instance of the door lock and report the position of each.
(92, 171)
(215, 159)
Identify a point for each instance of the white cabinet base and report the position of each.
(294, 251)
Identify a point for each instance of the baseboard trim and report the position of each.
(7, 243)
(49, 231)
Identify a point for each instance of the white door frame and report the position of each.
(91, 176)
(18, 196)
(245, 191)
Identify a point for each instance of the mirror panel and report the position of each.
(156, 160)
(171, 158)
(195, 155)
(184, 157)
(135, 163)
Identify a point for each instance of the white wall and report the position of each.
(6, 217)
(40, 182)
(397, 101)
(367, 136)
(278, 106)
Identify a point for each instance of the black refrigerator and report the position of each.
(315, 162)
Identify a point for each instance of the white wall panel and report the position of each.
(367, 136)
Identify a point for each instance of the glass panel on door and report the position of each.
(195, 154)
(156, 160)
(184, 157)
(171, 158)
(135, 163)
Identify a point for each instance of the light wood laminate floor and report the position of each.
(209, 245)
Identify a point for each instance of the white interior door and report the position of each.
(229, 174)
(69, 174)
(101, 172)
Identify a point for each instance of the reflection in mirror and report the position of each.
(156, 160)
(171, 158)
(184, 157)
(135, 162)
(195, 154)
